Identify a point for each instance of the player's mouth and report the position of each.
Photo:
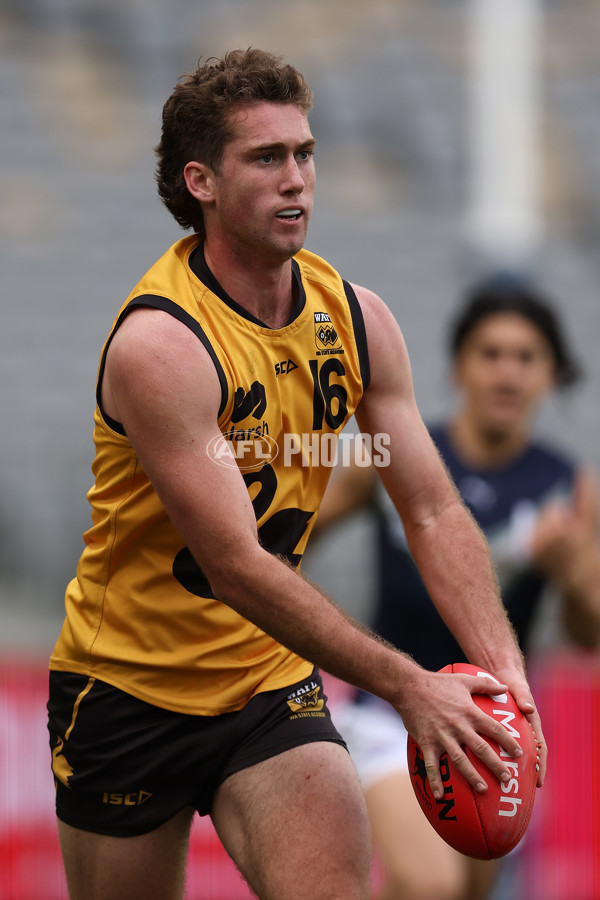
(289, 215)
(505, 396)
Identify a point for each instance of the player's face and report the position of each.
(505, 368)
(265, 185)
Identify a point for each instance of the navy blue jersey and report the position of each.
(505, 502)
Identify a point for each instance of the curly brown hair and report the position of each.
(195, 121)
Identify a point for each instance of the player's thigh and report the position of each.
(296, 825)
(103, 867)
(416, 861)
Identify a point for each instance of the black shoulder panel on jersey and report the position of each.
(153, 301)
(360, 334)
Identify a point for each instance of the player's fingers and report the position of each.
(431, 757)
(524, 700)
(487, 726)
(463, 764)
(484, 684)
(542, 748)
(459, 758)
(499, 733)
(542, 761)
(488, 755)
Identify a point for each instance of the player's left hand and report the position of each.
(566, 535)
(519, 688)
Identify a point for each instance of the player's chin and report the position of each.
(291, 245)
(500, 424)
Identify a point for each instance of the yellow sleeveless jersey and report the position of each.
(140, 614)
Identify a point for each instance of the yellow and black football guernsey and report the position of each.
(140, 614)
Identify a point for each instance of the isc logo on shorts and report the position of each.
(135, 798)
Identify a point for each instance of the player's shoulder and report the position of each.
(379, 320)
(368, 299)
(150, 329)
(543, 469)
(154, 346)
(551, 458)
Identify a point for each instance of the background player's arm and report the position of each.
(161, 384)
(566, 548)
(350, 488)
(446, 543)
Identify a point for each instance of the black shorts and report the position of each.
(123, 767)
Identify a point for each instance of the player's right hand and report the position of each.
(439, 712)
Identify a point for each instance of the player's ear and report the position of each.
(199, 179)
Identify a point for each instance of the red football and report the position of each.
(489, 825)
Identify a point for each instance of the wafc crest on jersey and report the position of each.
(327, 340)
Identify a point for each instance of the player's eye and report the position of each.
(491, 353)
(526, 357)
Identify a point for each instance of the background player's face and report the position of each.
(265, 185)
(504, 369)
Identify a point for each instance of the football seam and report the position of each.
(481, 828)
(491, 855)
(519, 834)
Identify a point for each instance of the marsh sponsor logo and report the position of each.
(508, 805)
(251, 402)
(244, 448)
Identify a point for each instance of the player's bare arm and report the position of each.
(446, 543)
(566, 547)
(154, 367)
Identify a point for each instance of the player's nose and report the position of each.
(292, 179)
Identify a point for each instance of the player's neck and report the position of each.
(484, 447)
(264, 291)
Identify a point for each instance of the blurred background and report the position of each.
(453, 137)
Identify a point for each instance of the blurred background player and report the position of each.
(539, 511)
